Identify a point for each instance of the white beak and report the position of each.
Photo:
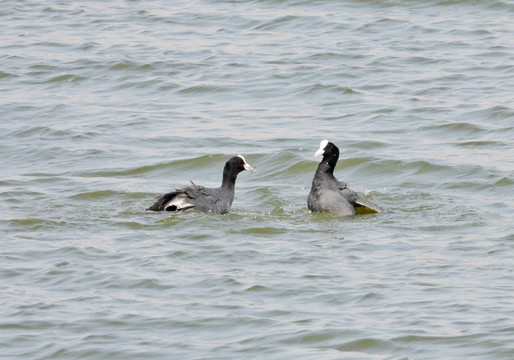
(319, 152)
(248, 167)
(322, 145)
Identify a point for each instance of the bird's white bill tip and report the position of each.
(249, 168)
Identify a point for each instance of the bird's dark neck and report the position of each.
(328, 164)
(229, 179)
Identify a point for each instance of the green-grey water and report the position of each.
(105, 105)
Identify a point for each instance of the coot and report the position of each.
(330, 195)
(205, 199)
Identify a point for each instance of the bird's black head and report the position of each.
(330, 153)
(233, 167)
(238, 164)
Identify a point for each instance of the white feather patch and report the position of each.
(180, 202)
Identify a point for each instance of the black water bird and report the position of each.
(330, 195)
(195, 197)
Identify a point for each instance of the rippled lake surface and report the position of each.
(105, 105)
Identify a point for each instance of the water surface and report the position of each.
(106, 105)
